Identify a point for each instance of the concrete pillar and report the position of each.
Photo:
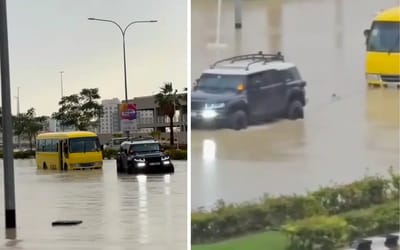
(238, 14)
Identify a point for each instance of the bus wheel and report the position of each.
(44, 165)
(65, 167)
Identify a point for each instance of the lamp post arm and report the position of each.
(127, 26)
(109, 21)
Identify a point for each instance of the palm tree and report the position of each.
(168, 102)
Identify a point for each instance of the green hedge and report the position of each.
(375, 220)
(320, 232)
(324, 232)
(177, 154)
(109, 153)
(22, 155)
(359, 194)
(232, 220)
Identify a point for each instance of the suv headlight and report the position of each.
(140, 162)
(139, 159)
(209, 113)
(165, 160)
(373, 78)
(215, 105)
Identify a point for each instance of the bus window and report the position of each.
(82, 145)
(384, 37)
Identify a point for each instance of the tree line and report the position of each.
(83, 111)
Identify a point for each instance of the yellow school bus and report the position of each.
(382, 62)
(68, 151)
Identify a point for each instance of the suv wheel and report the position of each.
(239, 120)
(295, 110)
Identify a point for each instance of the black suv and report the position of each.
(143, 156)
(246, 88)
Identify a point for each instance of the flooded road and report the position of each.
(118, 211)
(348, 130)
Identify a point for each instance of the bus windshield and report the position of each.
(384, 37)
(83, 145)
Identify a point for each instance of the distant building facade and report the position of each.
(109, 121)
(149, 119)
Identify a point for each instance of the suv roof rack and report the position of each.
(256, 58)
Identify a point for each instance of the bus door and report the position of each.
(60, 153)
(64, 155)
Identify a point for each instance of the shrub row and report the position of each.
(109, 153)
(175, 146)
(231, 220)
(332, 232)
(21, 154)
(175, 154)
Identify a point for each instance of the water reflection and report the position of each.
(208, 150)
(118, 211)
(383, 107)
(143, 212)
(11, 234)
(274, 28)
(281, 139)
(339, 23)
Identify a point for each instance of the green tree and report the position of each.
(156, 134)
(168, 102)
(28, 125)
(1, 119)
(81, 111)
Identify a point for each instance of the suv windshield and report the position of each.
(384, 37)
(145, 147)
(219, 83)
(79, 145)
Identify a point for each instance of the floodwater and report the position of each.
(348, 130)
(118, 211)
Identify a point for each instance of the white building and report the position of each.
(110, 122)
(55, 126)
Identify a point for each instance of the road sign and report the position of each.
(127, 112)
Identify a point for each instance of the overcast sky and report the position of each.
(49, 36)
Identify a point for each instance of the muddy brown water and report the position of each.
(348, 130)
(117, 211)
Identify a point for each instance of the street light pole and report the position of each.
(62, 87)
(17, 97)
(123, 32)
(8, 161)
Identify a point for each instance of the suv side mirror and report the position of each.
(195, 84)
(367, 32)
